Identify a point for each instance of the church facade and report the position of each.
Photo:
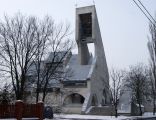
(88, 86)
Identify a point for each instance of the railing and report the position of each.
(21, 110)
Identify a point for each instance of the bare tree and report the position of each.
(137, 82)
(25, 41)
(53, 71)
(117, 77)
(57, 46)
(152, 52)
(17, 49)
(152, 88)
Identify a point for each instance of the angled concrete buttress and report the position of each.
(88, 31)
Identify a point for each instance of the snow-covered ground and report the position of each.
(148, 114)
(96, 117)
(90, 117)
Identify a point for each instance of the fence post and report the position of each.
(19, 109)
(39, 110)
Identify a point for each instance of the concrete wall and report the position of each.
(104, 110)
(72, 110)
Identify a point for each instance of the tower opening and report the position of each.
(85, 26)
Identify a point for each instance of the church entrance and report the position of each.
(74, 99)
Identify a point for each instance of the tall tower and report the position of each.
(89, 81)
(88, 31)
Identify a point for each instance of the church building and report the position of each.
(87, 89)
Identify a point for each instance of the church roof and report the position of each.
(78, 72)
(56, 56)
(74, 71)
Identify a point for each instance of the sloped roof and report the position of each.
(32, 69)
(56, 56)
(78, 72)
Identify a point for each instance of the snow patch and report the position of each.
(91, 117)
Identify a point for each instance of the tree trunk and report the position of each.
(19, 96)
(43, 98)
(37, 95)
(116, 110)
(140, 109)
(154, 106)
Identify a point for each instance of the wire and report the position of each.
(143, 12)
(147, 11)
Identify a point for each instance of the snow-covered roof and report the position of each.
(56, 56)
(78, 72)
(32, 69)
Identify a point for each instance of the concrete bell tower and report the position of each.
(84, 30)
(88, 31)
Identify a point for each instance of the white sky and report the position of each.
(124, 28)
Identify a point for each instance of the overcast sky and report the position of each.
(124, 28)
